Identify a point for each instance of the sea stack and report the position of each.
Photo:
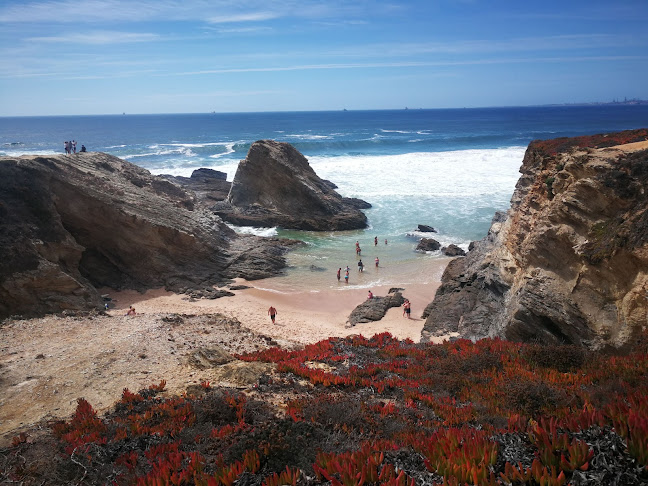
(568, 263)
(276, 186)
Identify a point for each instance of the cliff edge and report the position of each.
(568, 262)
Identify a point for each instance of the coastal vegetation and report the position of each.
(358, 411)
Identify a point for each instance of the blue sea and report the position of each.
(451, 169)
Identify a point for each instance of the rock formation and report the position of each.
(208, 185)
(72, 224)
(452, 250)
(376, 308)
(428, 244)
(569, 261)
(424, 228)
(276, 186)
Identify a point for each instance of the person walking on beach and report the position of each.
(377, 262)
(360, 266)
(407, 308)
(272, 312)
(338, 273)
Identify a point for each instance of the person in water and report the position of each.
(338, 273)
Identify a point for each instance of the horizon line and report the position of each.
(626, 102)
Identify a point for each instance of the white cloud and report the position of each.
(99, 37)
(242, 17)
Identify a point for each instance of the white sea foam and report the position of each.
(462, 173)
(396, 131)
(229, 149)
(307, 136)
(250, 230)
(19, 153)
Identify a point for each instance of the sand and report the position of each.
(46, 364)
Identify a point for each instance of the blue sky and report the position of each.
(67, 57)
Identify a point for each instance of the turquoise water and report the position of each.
(451, 169)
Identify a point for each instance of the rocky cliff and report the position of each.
(569, 261)
(72, 224)
(276, 186)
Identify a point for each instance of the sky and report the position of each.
(81, 57)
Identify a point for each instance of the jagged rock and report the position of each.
(375, 309)
(452, 250)
(71, 224)
(275, 186)
(209, 357)
(428, 244)
(568, 262)
(423, 228)
(208, 185)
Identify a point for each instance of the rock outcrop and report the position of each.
(376, 308)
(208, 185)
(276, 186)
(569, 261)
(452, 250)
(428, 244)
(72, 224)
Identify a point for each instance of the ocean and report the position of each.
(451, 169)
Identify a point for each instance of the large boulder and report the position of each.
(569, 261)
(375, 309)
(72, 224)
(276, 186)
(428, 244)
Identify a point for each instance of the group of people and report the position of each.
(70, 147)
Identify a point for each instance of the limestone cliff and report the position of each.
(276, 186)
(72, 224)
(569, 261)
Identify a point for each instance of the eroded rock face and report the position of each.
(568, 262)
(276, 186)
(71, 224)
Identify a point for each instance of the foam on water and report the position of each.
(250, 230)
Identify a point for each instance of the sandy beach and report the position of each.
(46, 364)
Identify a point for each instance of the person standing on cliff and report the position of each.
(272, 312)
(74, 146)
(67, 147)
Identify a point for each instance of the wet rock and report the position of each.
(452, 250)
(423, 228)
(428, 244)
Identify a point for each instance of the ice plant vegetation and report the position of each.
(358, 411)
